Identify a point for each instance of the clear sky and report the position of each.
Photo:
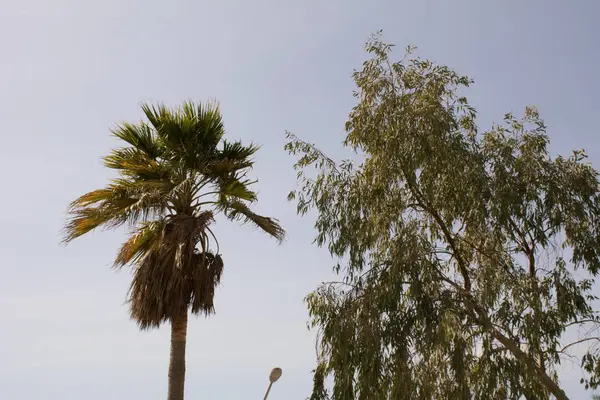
(69, 69)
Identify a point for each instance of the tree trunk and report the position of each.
(177, 364)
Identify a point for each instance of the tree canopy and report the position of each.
(176, 172)
(464, 255)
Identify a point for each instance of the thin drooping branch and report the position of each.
(579, 342)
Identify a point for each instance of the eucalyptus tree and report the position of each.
(176, 173)
(457, 248)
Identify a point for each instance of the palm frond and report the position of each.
(237, 150)
(122, 202)
(233, 158)
(233, 188)
(186, 228)
(190, 133)
(172, 275)
(136, 187)
(183, 194)
(208, 123)
(238, 211)
(226, 167)
(92, 197)
(155, 114)
(212, 234)
(83, 217)
(204, 131)
(206, 276)
(132, 162)
(146, 239)
(141, 137)
(157, 294)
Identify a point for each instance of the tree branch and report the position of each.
(578, 342)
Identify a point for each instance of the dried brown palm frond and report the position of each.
(171, 274)
(158, 294)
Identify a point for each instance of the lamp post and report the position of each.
(273, 377)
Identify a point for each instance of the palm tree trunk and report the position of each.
(177, 364)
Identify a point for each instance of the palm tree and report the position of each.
(176, 172)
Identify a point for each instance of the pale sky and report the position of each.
(70, 69)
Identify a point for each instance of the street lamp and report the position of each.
(273, 377)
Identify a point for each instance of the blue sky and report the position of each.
(71, 69)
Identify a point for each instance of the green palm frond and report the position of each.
(238, 151)
(206, 122)
(204, 134)
(233, 188)
(238, 211)
(133, 162)
(191, 133)
(234, 157)
(141, 137)
(119, 203)
(154, 114)
(227, 167)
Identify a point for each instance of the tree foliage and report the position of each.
(464, 256)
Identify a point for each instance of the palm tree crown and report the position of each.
(175, 174)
